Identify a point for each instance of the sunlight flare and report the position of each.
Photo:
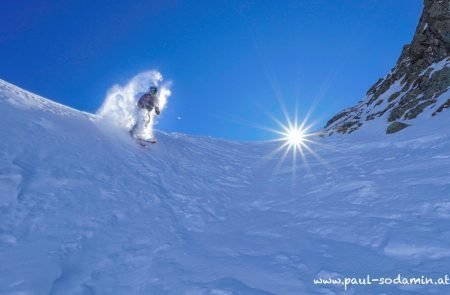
(294, 136)
(296, 141)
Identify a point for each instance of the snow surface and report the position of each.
(84, 210)
(437, 66)
(397, 86)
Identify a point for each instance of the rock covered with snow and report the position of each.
(419, 81)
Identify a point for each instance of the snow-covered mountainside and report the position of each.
(418, 85)
(84, 210)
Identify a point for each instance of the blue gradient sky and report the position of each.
(230, 61)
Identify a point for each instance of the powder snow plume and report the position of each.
(120, 105)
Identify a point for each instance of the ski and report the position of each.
(145, 142)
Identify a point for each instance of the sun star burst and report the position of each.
(294, 137)
(296, 140)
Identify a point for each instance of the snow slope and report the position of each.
(84, 210)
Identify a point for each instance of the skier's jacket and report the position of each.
(148, 101)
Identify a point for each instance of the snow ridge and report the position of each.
(25, 99)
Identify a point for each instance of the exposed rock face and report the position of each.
(396, 127)
(419, 81)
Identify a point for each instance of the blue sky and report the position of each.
(230, 61)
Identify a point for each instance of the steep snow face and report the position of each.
(84, 210)
(23, 99)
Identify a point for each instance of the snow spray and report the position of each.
(120, 105)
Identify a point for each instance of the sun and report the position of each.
(295, 136)
(296, 139)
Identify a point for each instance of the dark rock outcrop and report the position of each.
(396, 127)
(419, 81)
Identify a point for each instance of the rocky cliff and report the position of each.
(418, 85)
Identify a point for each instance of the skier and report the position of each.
(149, 100)
(147, 103)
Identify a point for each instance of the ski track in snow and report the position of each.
(84, 210)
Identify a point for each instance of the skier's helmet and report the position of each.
(153, 90)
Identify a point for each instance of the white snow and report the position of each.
(437, 66)
(397, 86)
(84, 210)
